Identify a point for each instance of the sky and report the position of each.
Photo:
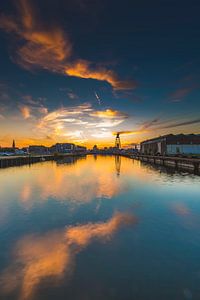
(81, 70)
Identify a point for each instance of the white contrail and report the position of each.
(98, 98)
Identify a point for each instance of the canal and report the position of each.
(99, 227)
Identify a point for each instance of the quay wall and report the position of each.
(12, 161)
(187, 164)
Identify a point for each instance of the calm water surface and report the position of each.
(99, 228)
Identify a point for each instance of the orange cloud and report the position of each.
(127, 132)
(82, 235)
(51, 49)
(65, 122)
(53, 255)
(40, 257)
(61, 185)
(42, 48)
(25, 110)
(83, 69)
(109, 113)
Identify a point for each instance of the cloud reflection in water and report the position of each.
(53, 254)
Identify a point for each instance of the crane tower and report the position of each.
(117, 141)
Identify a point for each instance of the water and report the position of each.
(99, 228)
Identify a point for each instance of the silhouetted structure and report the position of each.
(38, 149)
(118, 164)
(117, 141)
(13, 145)
(62, 148)
(80, 149)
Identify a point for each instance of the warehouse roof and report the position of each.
(176, 139)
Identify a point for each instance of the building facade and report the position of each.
(80, 149)
(172, 145)
(38, 149)
(62, 148)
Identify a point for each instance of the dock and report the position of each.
(11, 161)
(180, 163)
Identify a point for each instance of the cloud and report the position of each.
(2, 108)
(74, 134)
(157, 124)
(53, 255)
(4, 96)
(110, 114)
(66, 121)
(72, 96)
(62, 114)
(127, 132)
(32, 108)
(180, 94)
(43, 110)
(44, 48)
(142, 129)
(84, 69)
(102, 134)
(179, 124)
(25, 111)
(82, 235)
(107, 123)
(150, 123)
(51, 49)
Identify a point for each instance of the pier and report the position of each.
(11, 161)
(180, 163)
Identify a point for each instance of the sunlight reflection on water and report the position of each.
(99, 227)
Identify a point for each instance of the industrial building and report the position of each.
(38, 149)
(57, 148)
(80, 149)
(180, 144)
(62, 148)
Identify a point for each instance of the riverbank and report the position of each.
(11, 161)
(187, 164)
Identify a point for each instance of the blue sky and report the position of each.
(81, 70)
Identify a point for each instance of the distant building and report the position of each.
(95, 147)
(7, 151)
(80, 149)
(96, 150)
(25, 150)
(20, 152)
(13, 144)
(62, 148)
(38, 149)
(172, 145)
(130, 150)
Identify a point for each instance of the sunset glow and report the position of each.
(61, 92)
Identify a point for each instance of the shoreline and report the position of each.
(191, 165)
(185, 164)
(13, 161)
